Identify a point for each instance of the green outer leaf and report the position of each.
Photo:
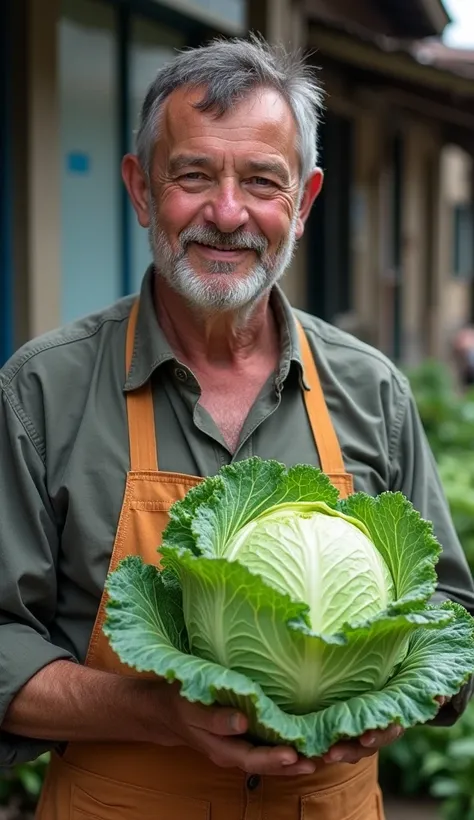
(140, 631)
(145, 605)
(207, 518)
(179, 532)
(405, 541)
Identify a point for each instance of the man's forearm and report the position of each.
(67, 702)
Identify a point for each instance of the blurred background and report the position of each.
(388, 253)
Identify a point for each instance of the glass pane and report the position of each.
(229, 11)
(90, 162)
(152, 46)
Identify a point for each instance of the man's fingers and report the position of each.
(351, 751)
(348, 754)
(384, 737)
(274, 761)
(262, 760)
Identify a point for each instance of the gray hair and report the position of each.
(228, 70)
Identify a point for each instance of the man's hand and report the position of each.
(351, 751)
(214, 731)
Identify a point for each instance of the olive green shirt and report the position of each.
(64, 457)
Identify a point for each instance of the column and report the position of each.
(43, 236)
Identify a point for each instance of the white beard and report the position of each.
(220, 291)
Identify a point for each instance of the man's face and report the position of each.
(223, 210)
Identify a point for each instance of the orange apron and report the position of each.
(140, 781)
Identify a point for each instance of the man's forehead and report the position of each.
(261, 110)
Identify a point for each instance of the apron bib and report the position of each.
(141, 781)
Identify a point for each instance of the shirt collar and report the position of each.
(151, 349)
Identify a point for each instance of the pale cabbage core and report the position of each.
(319, 557)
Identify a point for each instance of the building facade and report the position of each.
(389, 249)
(392, 239)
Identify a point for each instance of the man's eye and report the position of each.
(262, 182)
(192, 175)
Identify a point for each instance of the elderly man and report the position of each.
(209, 366)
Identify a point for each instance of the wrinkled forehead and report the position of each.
(261, 121)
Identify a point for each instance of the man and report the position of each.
(463, 348)
(211, 366)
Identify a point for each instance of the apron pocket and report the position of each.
(120, 801)
(315, 806)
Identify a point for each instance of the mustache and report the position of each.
(238, 240)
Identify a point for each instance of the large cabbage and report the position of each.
(310, 614)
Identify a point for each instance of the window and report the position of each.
(230, 12)
(463, 241)
(90, 161)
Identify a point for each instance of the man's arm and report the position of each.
(415, 474)
(76, 703)
(28, 556)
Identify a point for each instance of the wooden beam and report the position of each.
(364, 55)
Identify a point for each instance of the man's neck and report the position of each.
(216, 339)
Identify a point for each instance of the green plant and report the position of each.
(447, 415)
(438, 761)
(457, 476)
(307, 612)
(23, 783)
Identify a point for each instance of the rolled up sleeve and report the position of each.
(415, 474)
(28, 555)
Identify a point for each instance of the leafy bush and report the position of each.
(448, 418)
(447, 415)
(20, 786)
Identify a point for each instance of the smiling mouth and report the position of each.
(221, 248)
(221, 253)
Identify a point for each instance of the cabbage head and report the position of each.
(310, 614)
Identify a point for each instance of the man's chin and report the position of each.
(232, 290)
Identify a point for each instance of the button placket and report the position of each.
(254, 798)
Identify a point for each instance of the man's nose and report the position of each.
(226, 210)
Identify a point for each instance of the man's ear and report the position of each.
(311, 191)
(136, 184)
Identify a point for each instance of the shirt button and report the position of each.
(253, 782)
(181, 374)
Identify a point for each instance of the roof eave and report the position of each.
(437, 15)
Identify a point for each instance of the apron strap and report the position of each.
(140, 411)
(325, 438)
